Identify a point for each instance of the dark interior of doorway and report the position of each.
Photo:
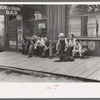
(12, 33)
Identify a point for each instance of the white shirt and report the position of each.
(72, 42)
(41, 42)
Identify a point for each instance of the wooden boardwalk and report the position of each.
(83, 68)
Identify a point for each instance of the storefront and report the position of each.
(11, 27)
(81, 20)
(84, 22)
(17, 22)
(35, 20)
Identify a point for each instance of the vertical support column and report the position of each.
(66, 21)
(84, 25)
(6, 32)
(55, 20)
(63, 19)
(50, 27)
(59, 19)
(48, 20)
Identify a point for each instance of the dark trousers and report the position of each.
(24, 49)
(39, 50)
(45, 53)
(61, 50)
(31, 49)
(69, 51)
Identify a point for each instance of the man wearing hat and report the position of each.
(62, 44)
(71, 45)
(31, 47)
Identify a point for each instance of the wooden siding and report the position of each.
(55, 20)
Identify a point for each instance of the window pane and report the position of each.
(35, 20)
(1, 25)
(74, 26)
(98, 22)
(91, 26)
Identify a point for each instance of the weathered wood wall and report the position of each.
(55, 20)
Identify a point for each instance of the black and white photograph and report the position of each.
(50, 43)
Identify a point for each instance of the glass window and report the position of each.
(74, 26)
(1, 25)
(35, 20)
(91, 26)
(98, 25)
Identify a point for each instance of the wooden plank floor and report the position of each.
(83, 68)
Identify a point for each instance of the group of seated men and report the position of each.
(68, 48)
(38, 46)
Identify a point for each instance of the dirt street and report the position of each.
(11, 76)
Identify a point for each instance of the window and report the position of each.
(1, 25)
(35, 20)
(83, 20)
(98, 24)
(91, 26)
(74, 26)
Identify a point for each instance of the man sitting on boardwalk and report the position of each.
(62, 44)
(39, 45)
(46, 47)
(71, 44)
(24, 49)
(32, 46)
(77, 49)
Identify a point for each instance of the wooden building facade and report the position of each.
(49, 20)
(10, 24)
(81, 20)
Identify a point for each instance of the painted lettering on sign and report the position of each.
(9, 10)
(20, 36)
(3, 7)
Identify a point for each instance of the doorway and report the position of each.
(12, 33)
(2, 33)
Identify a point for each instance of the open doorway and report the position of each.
(2, 33)
(12, 33)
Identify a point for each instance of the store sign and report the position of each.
(20, 36)
(19, 17)
(9, 10)
(41, 25)
(12, 44)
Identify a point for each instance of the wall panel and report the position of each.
(56, 20)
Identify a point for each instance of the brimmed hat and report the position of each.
(61, 35)
(34, 37)
(37, 11)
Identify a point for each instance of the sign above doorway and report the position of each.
(10, 10)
